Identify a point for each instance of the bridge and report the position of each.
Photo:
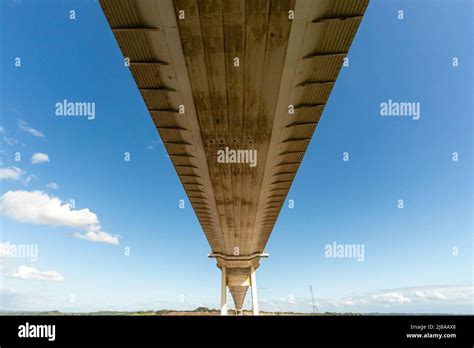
(236, 89)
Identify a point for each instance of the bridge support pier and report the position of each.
(253, 283)
(224, 292)
(238, 274)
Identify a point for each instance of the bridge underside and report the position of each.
(233, 75)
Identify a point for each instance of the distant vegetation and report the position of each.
(203, 311)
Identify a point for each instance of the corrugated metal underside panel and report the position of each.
(327, 40)
(345, 8)
(135, 44)
(146, 49)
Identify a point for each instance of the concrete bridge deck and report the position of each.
(235, 75)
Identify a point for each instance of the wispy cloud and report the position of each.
(30, 273)
(98, 236)
(440, 298)
(39, 208)
(153, 144)
(10, 141)
(28, 179)
(16, 174)
(11, 173)
(424, 294)
(15, 300)
(24, 126)
(39, 157)
(53, 186)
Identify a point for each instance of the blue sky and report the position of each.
(409, 264)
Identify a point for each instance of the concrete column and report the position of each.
(253, 283)
(224, 292)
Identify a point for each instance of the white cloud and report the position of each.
(414, 295)
(427, 299)
(53, 186)
(2, 130)
(30, 130)
(11, 173)
(15, 173)
(38, 208)
(30, 273)
(391, 297)
(29, 178)
(99, 236)
(10, 141)
(39, 157)
(441, 293)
